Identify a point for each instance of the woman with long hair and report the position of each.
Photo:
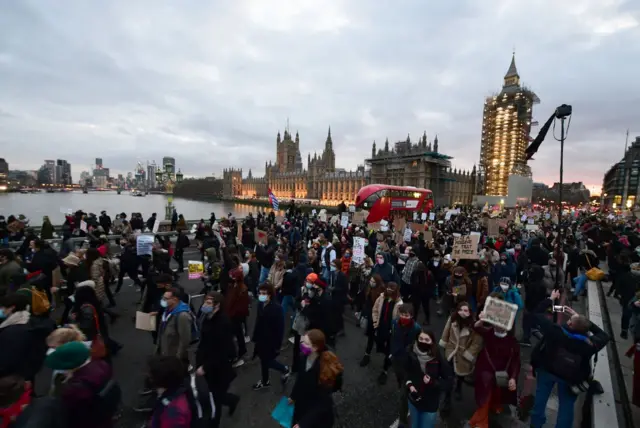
(428, 375)
(88, 315)
(319, 376)
(375, 288)
(461, 345)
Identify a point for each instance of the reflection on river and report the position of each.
(37, 205)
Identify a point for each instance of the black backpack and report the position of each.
(107, 400)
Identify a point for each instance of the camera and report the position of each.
(563, 111)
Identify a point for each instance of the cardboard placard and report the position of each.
(260, 236)
(428, 236)
(344, 220)
(145, 321)
(499, 313)
(465, 247)
(416, 227)
(399, 224)
(279, 219)
(492, 227)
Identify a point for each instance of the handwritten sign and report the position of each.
(407, 235)
(492, 228)
(144, 245)
(344, 220)
(196, 269)
(465, 247)
(358, 250)
(499, 313)
(428, 236)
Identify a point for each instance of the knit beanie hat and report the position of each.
(68, 356)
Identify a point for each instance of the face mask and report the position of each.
(405, 321)
(504, 287)
(347, 256)
(436, 263)
(312, 293)
(380, 261)
(262, 298)
(206, 309)
(500, 334)
(305, 349)
(309, 285)
(247, 256)
(164, 303)
(463, 315)
(372, 283)
(72, 298)
(424, 347)
(2, 314)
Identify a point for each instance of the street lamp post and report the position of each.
(166, 176)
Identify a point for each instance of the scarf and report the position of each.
(423, 357)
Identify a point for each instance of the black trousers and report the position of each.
(236, 325)
(421, 300)
(221, 397)
(179, 257)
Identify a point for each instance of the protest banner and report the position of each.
(407, 235)
(358, 250)
(428, 236)
(465, 247)
(196, 269)
(260, 236)
(279, 219)
(499, 313)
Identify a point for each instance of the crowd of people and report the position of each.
(301, 272)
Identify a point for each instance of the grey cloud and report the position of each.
(212, 83)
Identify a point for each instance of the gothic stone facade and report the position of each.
(407, 164)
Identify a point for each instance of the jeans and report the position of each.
(580, 282)
(264, 273)
(544, 384)
(422, 419)
(326, 274)
(274, 364)
(287, 302)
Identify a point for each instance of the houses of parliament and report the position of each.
(406, 163)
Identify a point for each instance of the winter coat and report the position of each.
(377, 308)
(268, 331)
(313, 403)
(174, 334)
(216, 350)
(96, 274)
(439, 372)
(461, 347)
(78, 395)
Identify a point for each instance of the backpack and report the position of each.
(195, 329)
(39, 301)
(567, 366)
(201, 403)
(107, 399)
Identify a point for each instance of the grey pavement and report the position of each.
(363, 403)
(626, 364)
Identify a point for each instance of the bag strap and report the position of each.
(491, 362)
(586, 255)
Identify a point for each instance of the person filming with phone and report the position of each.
(563, 357)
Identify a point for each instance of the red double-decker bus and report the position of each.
(381, 199)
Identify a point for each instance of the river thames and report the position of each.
(36, 205)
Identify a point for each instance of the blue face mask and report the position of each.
(2, 314)
(262, 298)
(206, 309)
(164, 303)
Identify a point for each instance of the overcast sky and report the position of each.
(211, 82)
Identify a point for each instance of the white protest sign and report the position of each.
(407, 235)
(423, 217)
(465, 247)
(358, 250)
(352, 208)
(144, 245)
(83, 226)
(344, 220)
(432, 216)
(499, 313)
(156, 226)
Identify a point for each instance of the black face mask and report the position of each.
(424, 347)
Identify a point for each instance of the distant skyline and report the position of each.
(211, 83)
